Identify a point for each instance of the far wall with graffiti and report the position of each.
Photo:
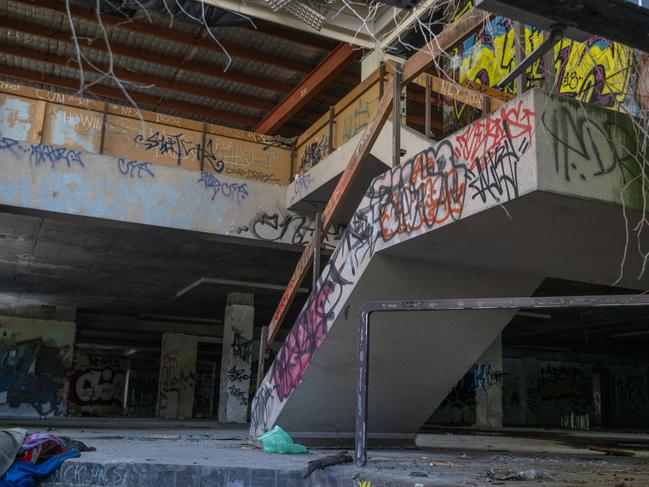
(35, 362)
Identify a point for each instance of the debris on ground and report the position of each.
(530, 474)
(612, 451)
(441, 463)
(328, 461)
(28, 458)
(279, 441)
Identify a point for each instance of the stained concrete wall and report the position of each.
(63, 180)
(35, 360)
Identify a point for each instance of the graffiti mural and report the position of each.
(96, 385)
(596, 71)
(33, 374)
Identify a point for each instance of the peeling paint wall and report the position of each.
(35, 360)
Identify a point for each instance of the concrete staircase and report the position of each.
(487, 212)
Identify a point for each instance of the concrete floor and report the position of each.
(183, 454)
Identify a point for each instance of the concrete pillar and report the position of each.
(488, 373)
(236, 358)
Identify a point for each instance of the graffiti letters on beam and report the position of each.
(314, 153)
(586, 147)
(234, 191)
(180, 148)
(134, 168)
(43, 154)
(477, 166)
(293, 228)
(32, 375)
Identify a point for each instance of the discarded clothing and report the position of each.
(38, 456)
(25, 474)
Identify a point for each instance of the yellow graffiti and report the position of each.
(365, 483)
(596, 71)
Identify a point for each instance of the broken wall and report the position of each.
(35, 360)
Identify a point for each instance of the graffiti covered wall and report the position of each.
(35, 360)
(96, 385)
(40, 116)
(597, 71)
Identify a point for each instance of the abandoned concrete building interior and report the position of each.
(206, 206)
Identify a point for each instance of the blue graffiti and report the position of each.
(47, 154)
(133, 168)
(10, 144)
(234, 191)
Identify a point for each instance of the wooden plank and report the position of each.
(308, 88)
(75, 128)
(22, 118)
(418, 63)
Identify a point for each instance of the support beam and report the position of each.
(147, 101)
(468, 24)
(333, 64)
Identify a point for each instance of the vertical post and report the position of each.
(263, 341)
(212, 390)
(360, 450)
(521, 81)
(127, 379)
(236, 358)
(381, 79)
(549, 67)
(317, 235)
(429, 88)
(102, 139)
(293, 157)
(330, 143)
(396, 116)
(202, 151)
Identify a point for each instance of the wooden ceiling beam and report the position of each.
(171, 34)
(333, 64)
(140, 78)
(151, 101)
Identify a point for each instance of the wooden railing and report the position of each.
(45, 117)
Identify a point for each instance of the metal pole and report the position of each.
(429, 89)
(360, 451)
(127, 379)
(262, 355)
(548, 63)
(202, 151)
(316, 248)
(381, 78)
(102, 139)
(555, 35)
(396, 116)
(521, 81)
(330, 143)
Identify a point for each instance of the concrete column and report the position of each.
(236, 358)
(488, 372)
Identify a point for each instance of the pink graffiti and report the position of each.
(304, 339)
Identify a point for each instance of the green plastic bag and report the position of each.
(279, 441)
